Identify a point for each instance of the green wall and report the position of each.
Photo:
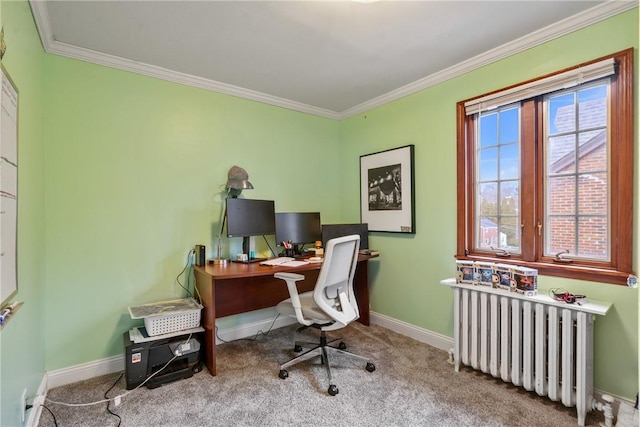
(406, 285)
(22, 349)
(133, 174)
(120, 176)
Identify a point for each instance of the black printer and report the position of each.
(181, 354)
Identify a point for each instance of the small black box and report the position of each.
(200, 255)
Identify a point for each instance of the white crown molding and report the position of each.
(41, 17)
(112, 61)
(591, 16)
(566, 26)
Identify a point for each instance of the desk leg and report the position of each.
(361, 289)
(206, 292)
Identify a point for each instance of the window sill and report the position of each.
(569, 271)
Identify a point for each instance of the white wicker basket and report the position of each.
(168, 316)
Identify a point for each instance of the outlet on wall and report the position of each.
(23, 405)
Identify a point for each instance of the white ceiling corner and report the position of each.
(314, 72)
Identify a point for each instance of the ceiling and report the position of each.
(329, 58)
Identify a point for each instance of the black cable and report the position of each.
(109, 401)
(190, 262)
(128, 391)
(270, 248)
(55, 422)
(255, 337)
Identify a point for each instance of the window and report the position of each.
(545, 173)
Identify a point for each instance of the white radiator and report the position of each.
(536, 342)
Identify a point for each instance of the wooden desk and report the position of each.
(236, 288)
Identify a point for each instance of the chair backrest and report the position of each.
(333, 292)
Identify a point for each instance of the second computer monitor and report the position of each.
(298, 228)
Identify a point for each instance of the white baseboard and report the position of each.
(85, 371)
(114, 364)
(33, 419)
(251, 329)
(444, 342)
(426, 336)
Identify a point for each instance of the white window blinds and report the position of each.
(549, 84)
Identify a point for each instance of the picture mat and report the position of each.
(400, 221)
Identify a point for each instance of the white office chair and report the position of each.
(330, 306)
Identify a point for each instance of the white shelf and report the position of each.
(586, 305)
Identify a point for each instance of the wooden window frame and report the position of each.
(618, 270)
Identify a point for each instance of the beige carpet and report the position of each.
(413, 385)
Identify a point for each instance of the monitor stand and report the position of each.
(250, 261)
(298, 252)
(246, 249)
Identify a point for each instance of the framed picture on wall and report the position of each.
(387, 190)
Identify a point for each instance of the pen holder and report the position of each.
(288, 252)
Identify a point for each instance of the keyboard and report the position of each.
(277, 261)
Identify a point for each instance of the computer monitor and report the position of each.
(299, 228)
(248, 217)
(331, 231)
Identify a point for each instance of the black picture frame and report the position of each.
(387, 190)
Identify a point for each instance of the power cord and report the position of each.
(116, 399)
(55, 422)
(187, 267)
(109, 402)
(255, 337)
(563, 295)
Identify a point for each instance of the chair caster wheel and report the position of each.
(333, 390)
(342, 346)
(297, 348)
(283, 374)
(371, 367)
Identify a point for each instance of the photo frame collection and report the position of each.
(387, 191)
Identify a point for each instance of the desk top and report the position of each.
(232, 270)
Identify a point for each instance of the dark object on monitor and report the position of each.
(331, 231)
(299, 228)
(248, 217)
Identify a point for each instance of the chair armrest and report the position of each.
(291, 279)
(291, 276)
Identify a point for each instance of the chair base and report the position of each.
(323, 350)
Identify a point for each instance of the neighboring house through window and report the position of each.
(545, 172)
